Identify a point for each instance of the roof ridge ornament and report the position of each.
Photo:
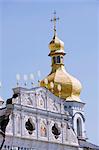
(54, 21)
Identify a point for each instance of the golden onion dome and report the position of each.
(59, 82)
(56, 44)
(70, 86)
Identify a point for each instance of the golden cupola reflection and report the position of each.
(56, 44)
(59, 82)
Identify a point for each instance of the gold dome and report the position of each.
(70, 86)
(56, 44)
(59, 82)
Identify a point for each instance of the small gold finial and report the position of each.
(54, 20)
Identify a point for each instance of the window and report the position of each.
(58, 59)
(79, 127)
(65, 107)
(54, 60)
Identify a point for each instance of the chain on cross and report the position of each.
(54, 20)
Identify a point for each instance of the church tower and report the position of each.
(64, 85)
(47, 117)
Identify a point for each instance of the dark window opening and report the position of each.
(54, 60)
(79, 127)
(58, 59)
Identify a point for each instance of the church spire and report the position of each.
(54, 21)
(56, 47)
(56, 44)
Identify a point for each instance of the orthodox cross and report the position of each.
(54, 20)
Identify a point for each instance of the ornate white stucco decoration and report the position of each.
(38, 114)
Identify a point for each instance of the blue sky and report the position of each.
(26, 30)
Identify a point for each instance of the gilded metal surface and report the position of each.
(56, 44)
(71, 87)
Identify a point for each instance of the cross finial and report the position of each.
(54, 20)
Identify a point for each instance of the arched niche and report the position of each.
(79, 127)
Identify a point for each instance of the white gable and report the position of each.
(39, 98)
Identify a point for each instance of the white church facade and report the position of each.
(47, 117)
